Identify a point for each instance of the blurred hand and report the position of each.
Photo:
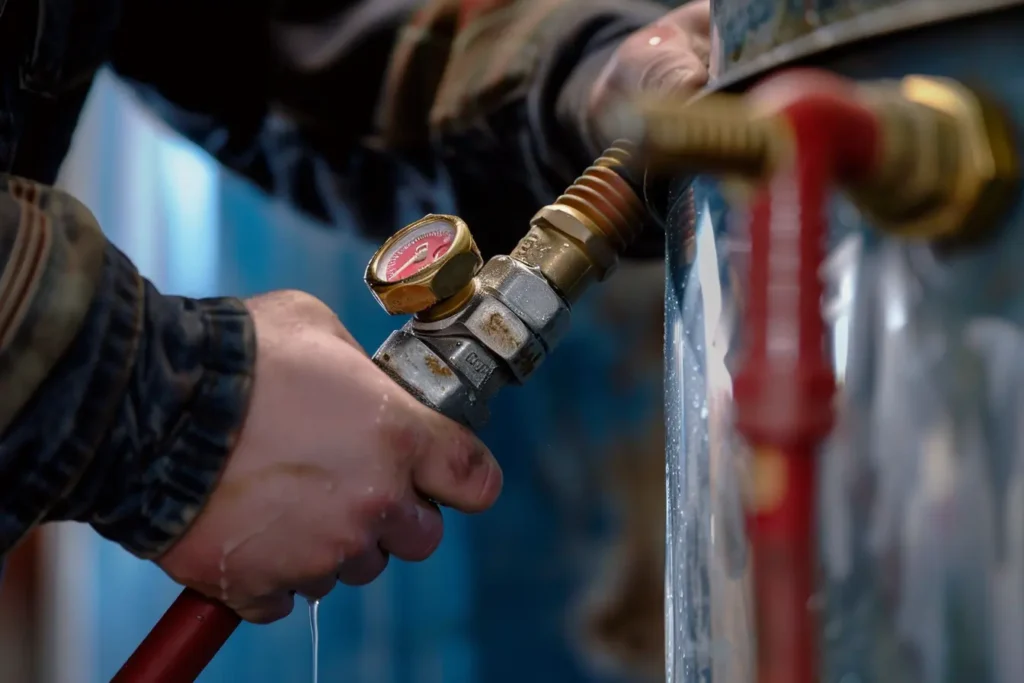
(334, 470)
(669, 57)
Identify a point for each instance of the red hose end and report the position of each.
(187, 637)
(781, 527)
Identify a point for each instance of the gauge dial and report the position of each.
(423, 246)
(424, 263)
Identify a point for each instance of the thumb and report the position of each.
(454, 468)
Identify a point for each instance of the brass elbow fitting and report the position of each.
(948, 168)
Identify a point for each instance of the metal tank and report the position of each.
(916, 494)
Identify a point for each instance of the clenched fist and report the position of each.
(336, 469)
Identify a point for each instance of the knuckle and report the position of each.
(465, 457)
(303, 305)
(355, 548)
(324, 563)
(405, 441)
(646, 37)
(381, 508)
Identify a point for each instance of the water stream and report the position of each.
(314, 629)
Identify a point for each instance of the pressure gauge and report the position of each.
(422, 264)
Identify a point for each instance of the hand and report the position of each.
(334, 470)
(669, 57)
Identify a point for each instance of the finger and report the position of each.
(362, 569)
(266, 610)
(662, 58)
(693, 17)
(342, 333)
(455, 469)
(318, 589)
(413, 531)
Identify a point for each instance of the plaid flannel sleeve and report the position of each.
(118, 405)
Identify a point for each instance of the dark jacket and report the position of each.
(118, 404)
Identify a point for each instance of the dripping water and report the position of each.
(314, 629)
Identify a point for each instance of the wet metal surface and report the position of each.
(922, 488)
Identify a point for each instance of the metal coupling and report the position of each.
(500, 336)
(578, 239)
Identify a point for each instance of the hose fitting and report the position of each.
(945, 168)
(578, 239)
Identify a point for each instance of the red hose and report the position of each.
(785, 385)
(182, 643)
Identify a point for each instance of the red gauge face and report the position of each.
(420, 248)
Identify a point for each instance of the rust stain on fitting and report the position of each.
(497, 328)
(437, 367)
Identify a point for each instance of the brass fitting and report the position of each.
(717, 134)
(578, 238)
(948, 166)
(447, 282)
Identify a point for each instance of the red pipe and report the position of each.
(182, 643)
(785, 385)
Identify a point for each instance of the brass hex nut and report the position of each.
(527, 294)
(949, 165)
(574, 225)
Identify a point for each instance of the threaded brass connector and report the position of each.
(717, 134)
(578, 239)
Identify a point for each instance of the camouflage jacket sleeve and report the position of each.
(117, 405)
(369, 113)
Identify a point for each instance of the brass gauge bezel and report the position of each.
(438, 281)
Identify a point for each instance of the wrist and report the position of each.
(178, 423)
(575, 105)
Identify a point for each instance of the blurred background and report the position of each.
(549, 586)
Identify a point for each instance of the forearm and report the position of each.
(370, 115)
(505, 70)
(128, 423)
(494, 115)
